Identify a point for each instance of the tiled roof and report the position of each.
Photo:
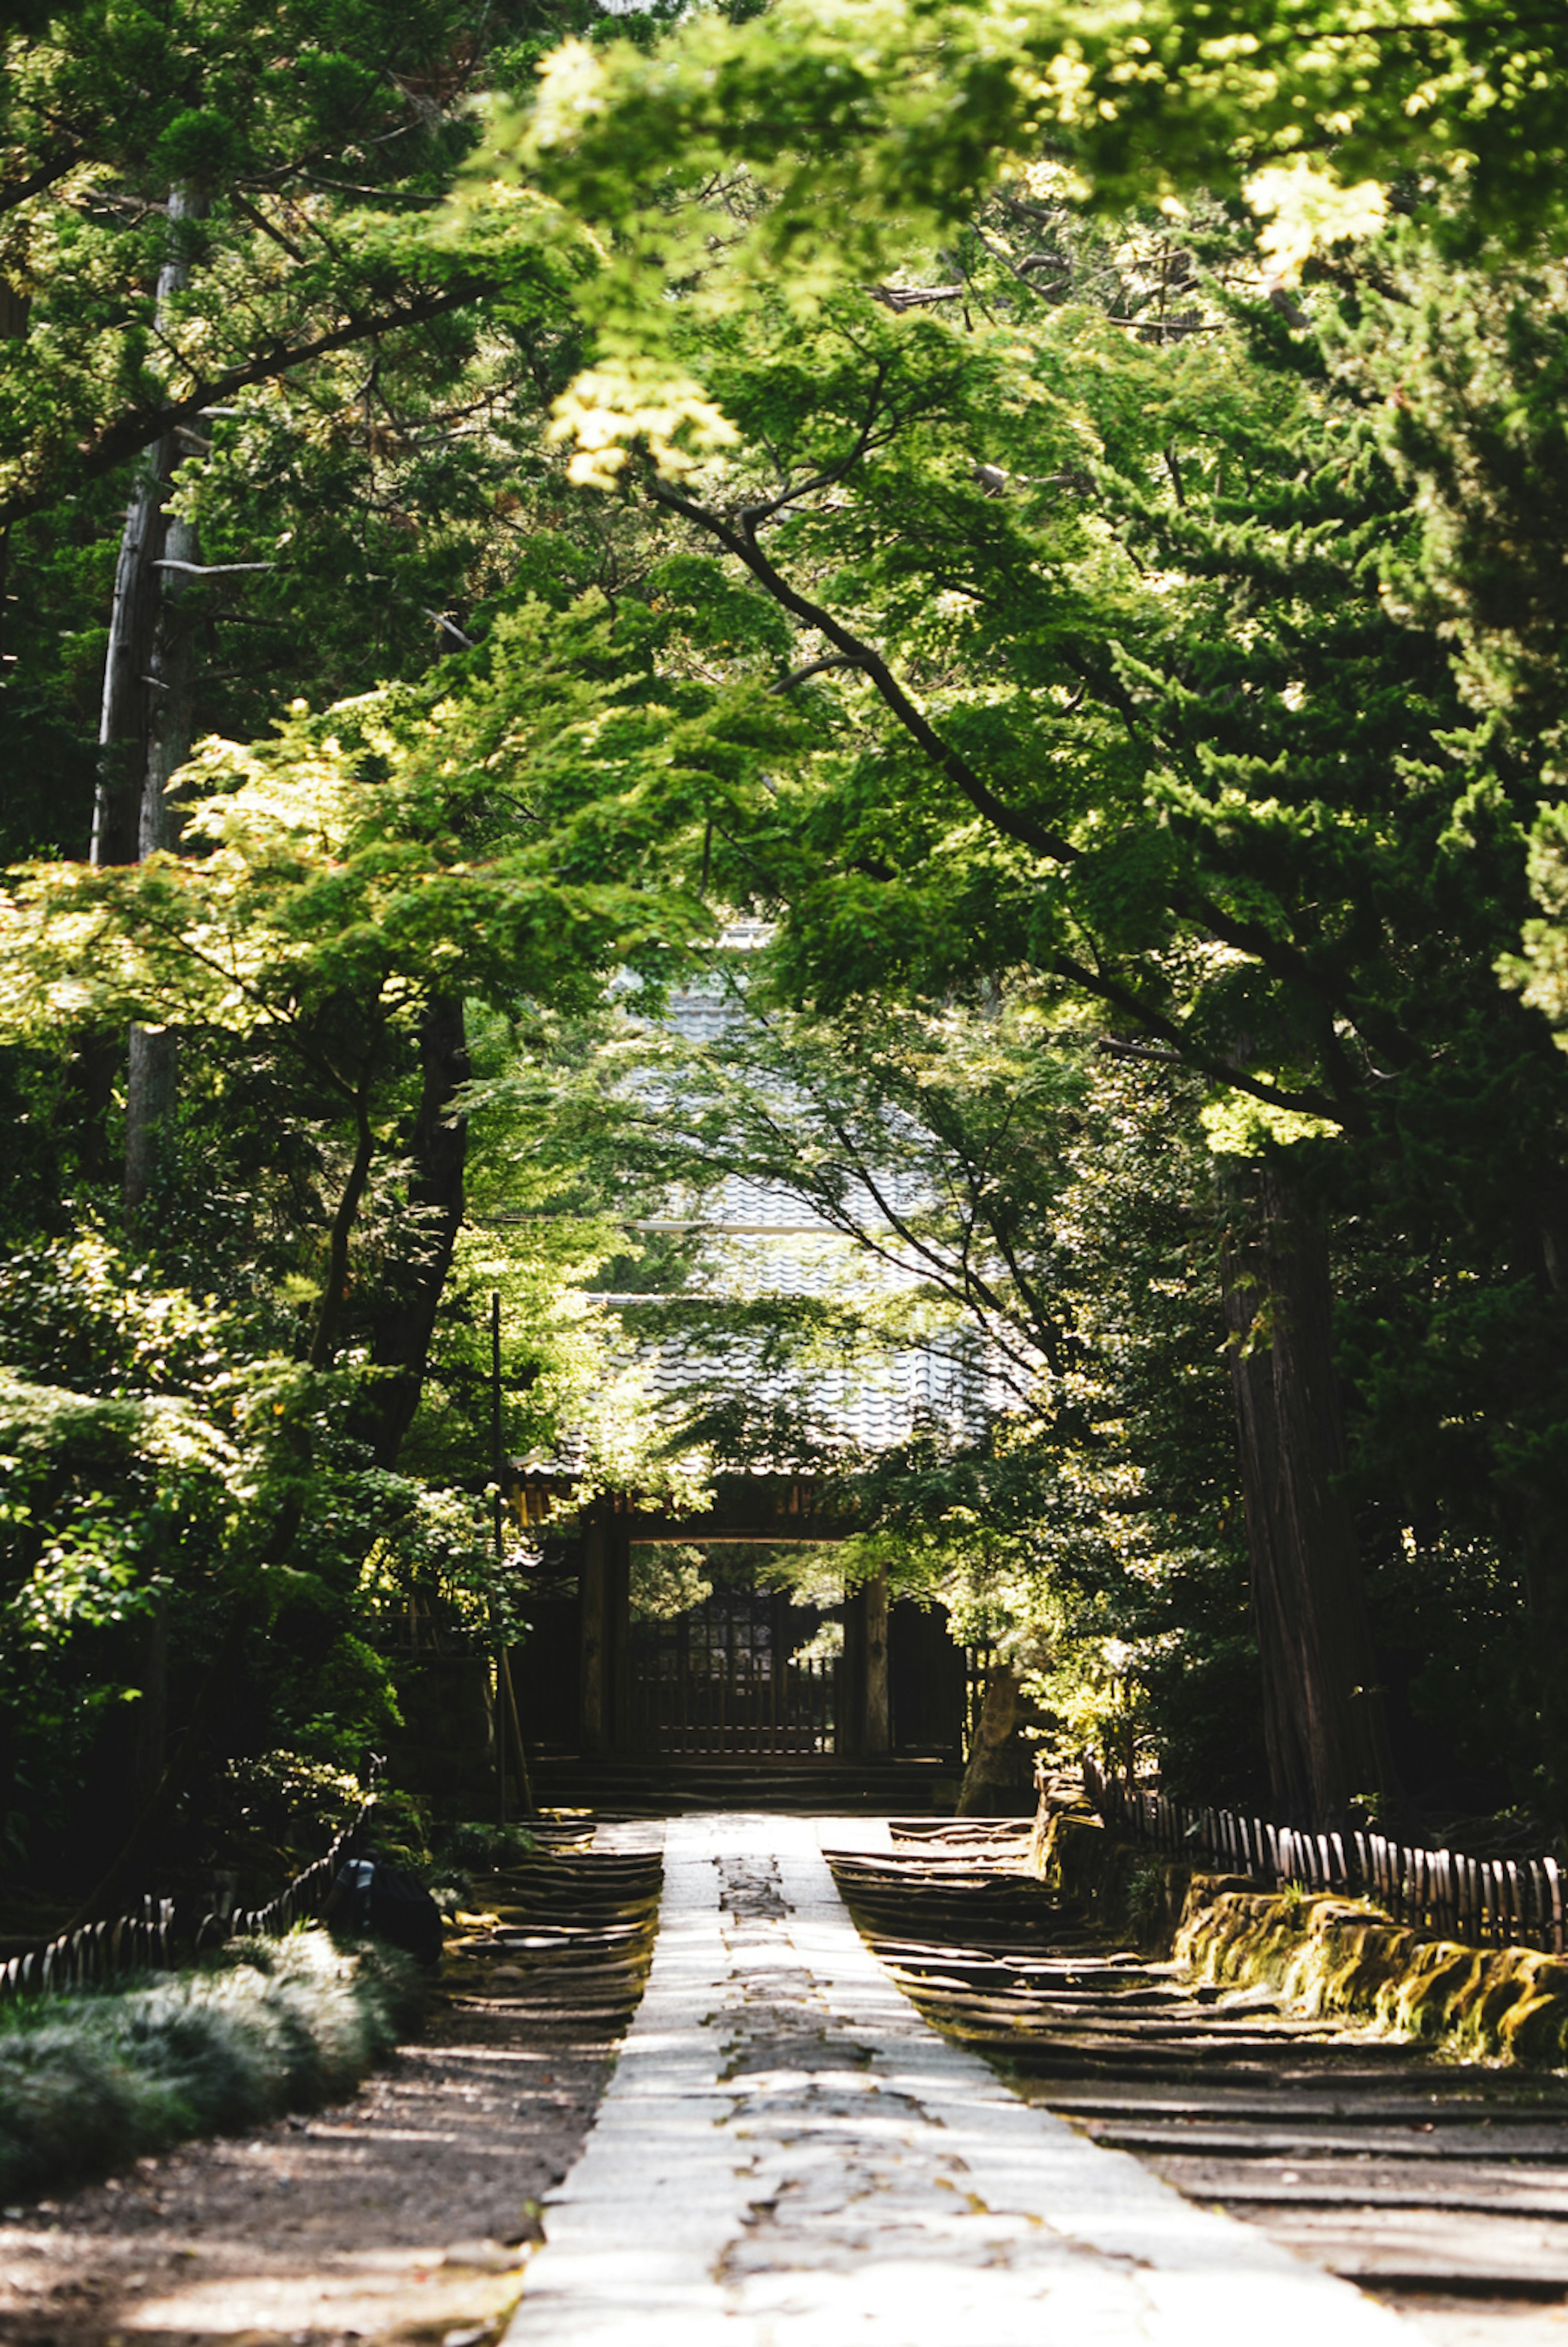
(870, 1408)
(761, 1239)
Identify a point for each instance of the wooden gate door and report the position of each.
(721, 1683)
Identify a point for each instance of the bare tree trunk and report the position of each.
(124, 717)
(1324, 1725)
(15, 311)
(153, 1074)
(403, 1325)
(147, 718)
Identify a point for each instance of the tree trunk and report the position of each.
(1324, 1727)
(147, 718)
(126, 722)
(152, 1078)
(878, 1736)
(998, 1780)
(404, 1319)
(15, 311)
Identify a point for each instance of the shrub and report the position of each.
(89, 2079)
(486, 1847)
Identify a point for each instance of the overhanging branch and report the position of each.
(740, 541)
(141, 427)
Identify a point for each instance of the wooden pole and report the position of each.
(496, 1639)
(877, 1741)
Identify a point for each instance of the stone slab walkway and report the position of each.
(787, 2154)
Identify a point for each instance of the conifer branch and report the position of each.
(142, 427)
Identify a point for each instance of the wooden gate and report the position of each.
(721, 1680)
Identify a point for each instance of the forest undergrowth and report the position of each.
(96, 2078)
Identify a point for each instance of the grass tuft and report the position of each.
(90, 2079)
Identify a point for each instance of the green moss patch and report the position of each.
(1326, 1954)
(1320, 1952)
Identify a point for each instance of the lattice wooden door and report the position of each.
(722, 1681)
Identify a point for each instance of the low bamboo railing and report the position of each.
(1443, 1894)
(149, 1938)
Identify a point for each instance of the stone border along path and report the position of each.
(787, 2154)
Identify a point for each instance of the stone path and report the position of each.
(788, 2154)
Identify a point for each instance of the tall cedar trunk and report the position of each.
(145, 722)
(403, 1320)
(1323, 1719)
(153, 1071)
(124, 719)
(14, 309)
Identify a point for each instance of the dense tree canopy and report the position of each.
(1060, 516)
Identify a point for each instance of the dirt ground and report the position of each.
(405, 2216)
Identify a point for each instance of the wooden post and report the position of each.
(519, 1751)
(594, 1722)
(877, 1734)
(620, 1735)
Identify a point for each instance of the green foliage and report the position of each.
(829, 135)
(1142, 711)
(289, 1800)
(372, 855)
(91, 2080)
(1031, 1218)
(487, 1847)
(667, 1583)
(1120, 655)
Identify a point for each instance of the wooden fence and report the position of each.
(148, 1940)
(1441, 1893)
(733, 1705)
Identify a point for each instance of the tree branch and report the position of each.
(16, 192)
(1180, 1051)
(811, 667)
(209, 570)
(742, 543)
(142, 426)
(335, 1287)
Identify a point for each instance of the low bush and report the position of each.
(486, 1847)
(92, 2079)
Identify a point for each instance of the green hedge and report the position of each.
(93, 2078)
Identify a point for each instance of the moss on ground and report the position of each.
(91, 2078)
(1326, 1954)
(1319, 1951)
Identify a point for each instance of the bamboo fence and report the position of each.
(148, 1939)
(1441, 1894)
